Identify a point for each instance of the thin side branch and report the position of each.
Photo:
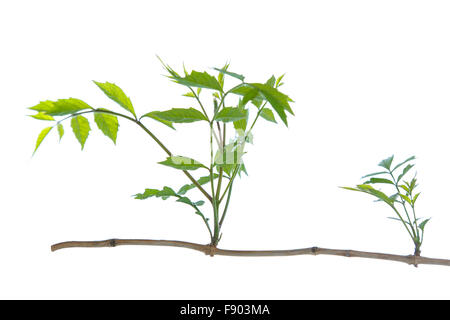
(212, 251)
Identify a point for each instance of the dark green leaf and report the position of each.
(230, 114)
(180, 115)
(182, 163)
(115, 93)
(386, 163)
(278, 100)
(41, 137)
(108, 124)
(155, 116)
(81, 128)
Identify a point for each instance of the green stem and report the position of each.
(199, 102)
(152, 136)
(226, 206)
(404, 207)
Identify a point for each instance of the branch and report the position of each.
(211, 250)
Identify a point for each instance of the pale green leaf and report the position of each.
(181, 115)
(61, 107)
(201, 181)
(42, 116)
(230, 114)
(267, 114)
(108, 124)
(81, 128)
(402, 163)
(386, 163)
(231, 74)
(41, 137)
(115, 93)
(182, 163)
(155, 116)
(60, 131)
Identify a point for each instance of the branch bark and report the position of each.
(212, 251)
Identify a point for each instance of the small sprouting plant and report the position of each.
(402, 200)
(230, 128)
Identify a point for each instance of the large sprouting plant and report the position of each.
(402, 199)
(230, 128)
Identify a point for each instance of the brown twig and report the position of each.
(211, 250)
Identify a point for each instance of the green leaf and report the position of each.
(147, 194)
(415, 198)
(386, 163)
(268, 115)
(108, 124)
(278, 100)
(278, 83)
(230, 114)
(180, 115)
(379, 180)
(423, 224)
(115, 93)
(185, 200)
(370, 190)
(61, 107)
(397, 219)
(405, 188)
(406, 198)
(60, 131)
(41, 137)
(155, 116)
(405, 171)
(189, 95)
(231, 74)
(81, 128)
(375, 174)
(271, 81)
(241, 125)
(165, 193)
(201, 181)
(195, 79)
(402, 163)
(182, 163)
(42, 116)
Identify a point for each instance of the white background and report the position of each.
(369, 79)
